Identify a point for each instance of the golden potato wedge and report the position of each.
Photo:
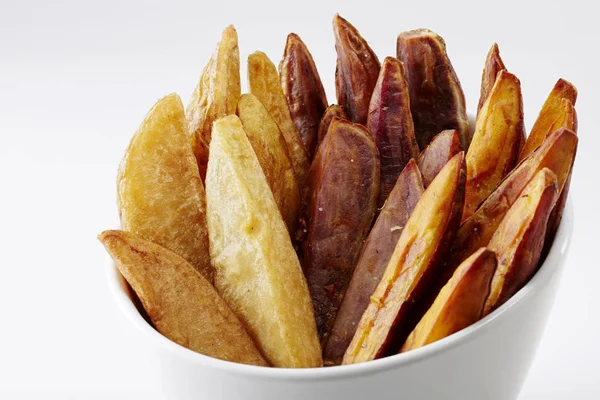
(460, 302)
(263, 81)
(496, 142)
(160, 195)
(332, 111)
(555, 114)
(373, 260)
(257, 269)
(556, 153)
(493, 65)
(270, 149)
(418, 258)
(438, 152)
(519, 239)
(215, 96)
(181, 304)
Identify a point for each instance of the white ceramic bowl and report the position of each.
(486, 361)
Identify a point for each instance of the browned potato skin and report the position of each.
(519, 239)
(342, 186)
(556, 153)
(332, 111)
(181, 304)
(390, 124)
(496, 142)
(356, 71)
(437, 101)
(417, 260)
(460, 302)
(442, 148)
(303, 90)
(215, 96)
(373, 260)
(263, 81)
(555, 114)
(493, 65)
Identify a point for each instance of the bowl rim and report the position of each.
(547, 270)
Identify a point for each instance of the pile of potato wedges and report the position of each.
(272, 228)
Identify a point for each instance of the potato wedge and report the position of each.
(332, 111)
(438, 152)
(460, 302)
(519, 239)
(493, 65)
(390, 124)
(356, 70)
(342, 189)
(263, 81)
(215, 96)
(373, 260)
(181, 304)
(160, 195)
(556, 113)
(417, 260)
(556, 153)
(303, 90)
(270, 149)
(497, 141)
(257, 270)
(437, 101)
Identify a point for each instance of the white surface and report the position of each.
(76, 80)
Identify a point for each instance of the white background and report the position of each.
(76, 79)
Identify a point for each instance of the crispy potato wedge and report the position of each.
(519, 239)
(160, 195)
(356, 70)
(437, 101)
(257, 270)
(556, 153)
(263, 81)
(303, 90)
(496, 142)
(215, 96)
(493, 65)
(342, 189)
(438, 152)
(417, 260)
(373, 260)
(390, 124)
(181, 304)
(460, 302)
(555, 113)
(332, 111)
(272, 153)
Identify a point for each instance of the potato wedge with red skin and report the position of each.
(342, 186)
(263, 81)
(437, 101)
(557, 153)
(215, 96)
(181, 304)
(519, 239)
(496, 142)
(332, 111)
(555, 114)
(460, 302)
(356, 70)
(160, 195)
(390, 124)
(373, 260)
(417, 260)
(269, 146)
(303, 90)
(442, 148)
(493, 65)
